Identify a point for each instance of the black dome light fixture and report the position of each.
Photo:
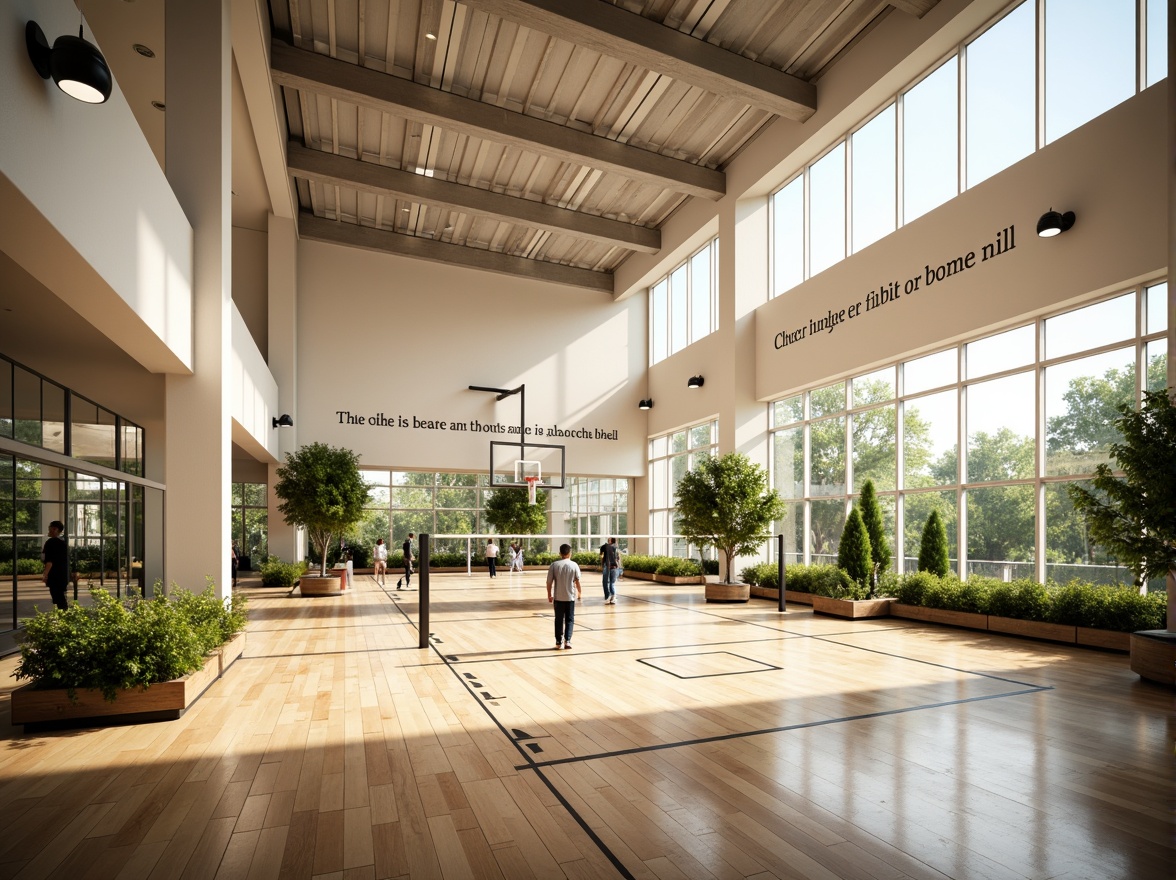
(283, 421)
(647, 403)
(75, 64)
(1052, 223)
(695, 382)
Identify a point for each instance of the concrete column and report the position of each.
(283, 364)
(198, 461)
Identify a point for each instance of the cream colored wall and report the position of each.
(254, 396)
(385, 334)
(251, 283)
(87, 210)
(1120, 236)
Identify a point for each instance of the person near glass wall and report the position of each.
(55, 555)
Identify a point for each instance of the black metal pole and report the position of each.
(423, 586)
(780, 568)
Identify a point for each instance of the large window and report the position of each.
(991, 433)
(971, 116)
(250, 523)
(683, 306)
(671, 456)
(597, 507)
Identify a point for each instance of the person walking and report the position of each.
(563, 589)
(492, 557)
(610, 567)
(55, 555)
(407, 548)
(380, 555)
(234, 560)
(516, 556)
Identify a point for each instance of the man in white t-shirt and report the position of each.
(563, 589)
(492, 557)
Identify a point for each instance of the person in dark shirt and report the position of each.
(407, 548)
(55, 555)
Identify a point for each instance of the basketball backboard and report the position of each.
(512, 463)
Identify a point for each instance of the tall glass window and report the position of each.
(788, 237)
(1030, 423)
(827, 210)
(930, 142)
(670, 457)
(1001, 110)
(683, 305)
(873, 176)
(1077, 31)
(250, 524)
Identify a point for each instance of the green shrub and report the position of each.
(933, 547)
(672, 566)
(853, 554)
(1023, 598)
(23, 566)
(118, 644)
(275, 573)
(710, 566)
(585, 558)
(647, 564)
(872, 519)
(764, 574)
(1119, 608)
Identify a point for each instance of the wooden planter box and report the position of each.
(314, 585)
(166, 700)
(774, 594)
(1109, 639)
(938, 615)
(727, 592)
(640, 575)
(851, 609)
(687, 579)
(1034, 629)
(230, 651)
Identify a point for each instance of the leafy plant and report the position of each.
(875, 528)
(275, 573)
(322, 490)
(116, 644)
(673, 566)
(509, 511)
(1134, 518)
(726, 503)
(933, 556)
(853, 554)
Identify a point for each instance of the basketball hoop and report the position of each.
(532, 484)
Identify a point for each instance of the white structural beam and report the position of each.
(320, 74)
(313, 228)
(380, 180)
(615, 32)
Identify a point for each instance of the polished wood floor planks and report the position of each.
(676, 740)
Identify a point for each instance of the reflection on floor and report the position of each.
(677, 739)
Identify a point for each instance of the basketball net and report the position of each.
(532, 484)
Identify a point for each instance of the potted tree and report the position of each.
(509, 512)
(855, 557)
(321, 490)
(725, 503)
(1134, 517)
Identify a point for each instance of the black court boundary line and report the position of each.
(637, 750)
(556, 793)
(286, 629)
(767, 667)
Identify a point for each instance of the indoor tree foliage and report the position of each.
(510, 513)
(933, 547)
(872, 518)
(725, 503)
(853, 553)
(322, 491)
(1134, 517)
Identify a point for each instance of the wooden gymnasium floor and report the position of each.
(676, 740)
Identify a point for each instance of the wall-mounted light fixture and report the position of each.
(695, 382)
(75, 64)
(647, 403)
(1052, 223)
(283, 421)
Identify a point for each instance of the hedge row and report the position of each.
(1076, 603)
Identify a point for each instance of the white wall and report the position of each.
(255, 396)
(385, 334)
(1108, 172)
(87, 210)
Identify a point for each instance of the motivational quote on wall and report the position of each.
(473, 426)
(892, 291)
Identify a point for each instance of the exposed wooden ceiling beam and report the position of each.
(615, 32)
(320, 74)
(380, 180)
(351, 235)
(917, 8)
